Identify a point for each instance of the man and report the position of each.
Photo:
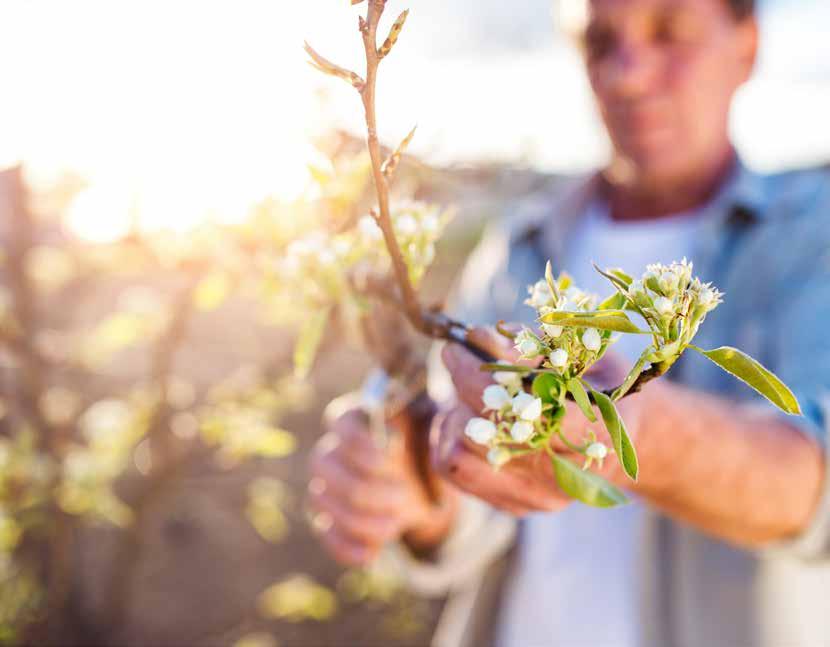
(728, 539)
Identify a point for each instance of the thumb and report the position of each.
(491, 340)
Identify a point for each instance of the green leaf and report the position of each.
(505, 368)
(581, 398)
(632, 376)
(212, 291)
(615, 320)
(554, 290)
(617, 281)
(619, 434)
(585, 486)
(621, 275)
(616, 301)
(547, 387)
(309, 341)
(755, 375)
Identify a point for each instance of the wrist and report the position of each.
(428, 533)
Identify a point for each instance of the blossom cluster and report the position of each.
(514, 416)
(672, 301)
(417, 226)
(317, 264)
(567, 350)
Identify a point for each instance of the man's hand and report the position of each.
(526, 484)
(364, 497)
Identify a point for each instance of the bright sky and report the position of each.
(186, 110)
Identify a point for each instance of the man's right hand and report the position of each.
(364, 497)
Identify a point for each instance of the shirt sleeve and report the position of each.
(804, 365)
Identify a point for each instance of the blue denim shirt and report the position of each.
(765, 242)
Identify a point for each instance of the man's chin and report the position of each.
(650, 164)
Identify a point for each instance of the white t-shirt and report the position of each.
(576, 581)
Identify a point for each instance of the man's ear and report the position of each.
(747, 44)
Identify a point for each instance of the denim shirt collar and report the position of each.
(552, 217)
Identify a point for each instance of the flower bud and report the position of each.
(521, 431)
(527, 407)
(480, 430)
(405, 225)
(664, 306)
(495, 397)
(552, 330)
(498, 456)
(559, 358)
(509, 380)
(668, 282)
(528, 344)
(597, 451)
(591, 340)
(636, 288)
(430, 224)
(539, 295)
(706, 297)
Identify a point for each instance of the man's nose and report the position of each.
(632, 70)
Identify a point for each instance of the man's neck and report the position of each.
(639, 199)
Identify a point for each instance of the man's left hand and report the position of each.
(526, 484)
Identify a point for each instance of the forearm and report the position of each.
(744, 476)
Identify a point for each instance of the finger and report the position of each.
(367, 528)
(490, 340)
(359, 450)
(507, 486)
(500, 346)
(378, 496)
(469, 471)
(345, 549)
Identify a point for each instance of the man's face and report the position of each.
(664, 73)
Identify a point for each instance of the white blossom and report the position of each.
(540, 295)
(527, 407)
(597, 451)
(591, 340)
(552, 330)
(369, 229)
(521, 431)
(430, 224)
(636, 287)
(406, 225)
(668, 282)
(559, 358)
(326, 257)
(341, 247)
(498, 456)
(510, 380)
(495, 397)
(527, 344)
(480, 430)
(664, 306)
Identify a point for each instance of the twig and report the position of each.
(428, 322)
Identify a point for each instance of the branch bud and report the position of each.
(390, 41)
(391, 164)
(327, 67)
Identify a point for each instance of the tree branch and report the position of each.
(432, 323)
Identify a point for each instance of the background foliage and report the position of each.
(153, 436)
